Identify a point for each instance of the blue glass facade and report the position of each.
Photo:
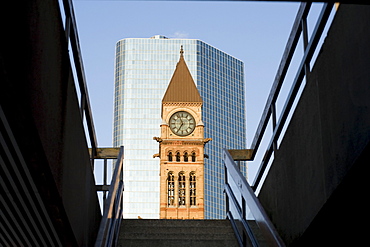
(220, 81)
(143, 70)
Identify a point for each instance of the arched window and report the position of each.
(192, 185)
(178, 156)
(193, 156)
(181, 189)
(171, 189)
(186, 157)
(170, 156)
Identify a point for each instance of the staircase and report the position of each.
(177, 233)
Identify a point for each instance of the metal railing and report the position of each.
(240, 200)
(112, 214)
(72, 38)
(310, 46)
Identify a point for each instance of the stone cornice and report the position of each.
(183, 104)
(182, 142)
(179, 142)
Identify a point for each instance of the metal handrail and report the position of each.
(112, 215)
(280, 76)
(246, 228)
(85, 106)
(248, 198)
(303, 71)
(310, 46)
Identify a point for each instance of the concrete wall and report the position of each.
(319, 167)
(40, 102)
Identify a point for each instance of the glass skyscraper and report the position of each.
(143, 69)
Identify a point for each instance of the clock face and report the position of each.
(182, 123)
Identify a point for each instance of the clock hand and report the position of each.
(182, 123)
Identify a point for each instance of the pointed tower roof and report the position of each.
(182, 87)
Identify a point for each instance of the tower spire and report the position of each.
(181, 87)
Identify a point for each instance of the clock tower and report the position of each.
(181, 148)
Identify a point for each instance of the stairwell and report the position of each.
(165, 232)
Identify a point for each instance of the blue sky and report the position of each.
(255, 32)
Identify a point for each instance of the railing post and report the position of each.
(105, 180)
(273, 115)
(244, 209)
(226, 182)
(82, 105)
(67, 27)
(305, 44)
(92, 158)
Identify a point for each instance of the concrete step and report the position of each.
(178, 230)
(177, 226)
(180, 235)
(177, 243)
(173, 223)
(176, 233)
